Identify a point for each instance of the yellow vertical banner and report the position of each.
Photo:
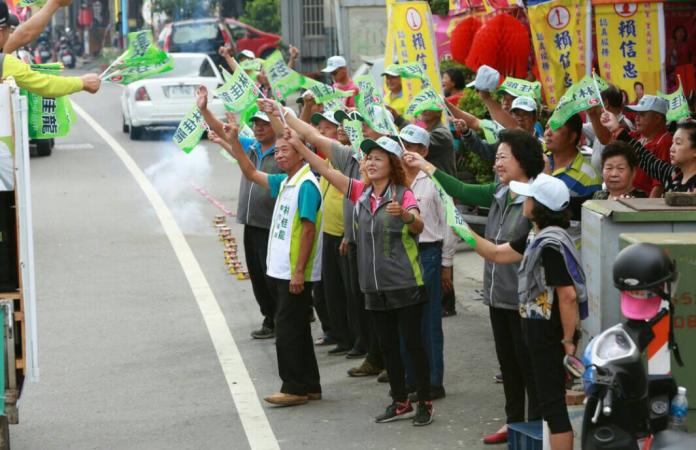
(412, 39)
(628, 45)
(559, 33)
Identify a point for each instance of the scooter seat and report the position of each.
(674, 440)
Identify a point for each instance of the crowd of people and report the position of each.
(362, 235)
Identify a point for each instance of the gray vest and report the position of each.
(505, 224)
(532, 281)
(387, 251)
(255, 205)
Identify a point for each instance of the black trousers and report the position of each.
(255, 250)
(297, 364)
(362, 326)
(334, 268)
(513, 358)
(449, 299)
(404, 322)
(543, 339)
(320, 307)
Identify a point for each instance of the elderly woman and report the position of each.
(619, 164)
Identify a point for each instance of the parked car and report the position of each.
(247, 37)
(165, 99)
(197, 36)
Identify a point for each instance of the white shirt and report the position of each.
(433, 214)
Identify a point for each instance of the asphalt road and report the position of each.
(126, 357)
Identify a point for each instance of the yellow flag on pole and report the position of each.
(559, 33)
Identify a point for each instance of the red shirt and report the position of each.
(350, 86)
(357, 187)
(659, 146)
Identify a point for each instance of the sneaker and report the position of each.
(263, 333)
(355, 354)
(338, 351)
(364, 370)
(424, 414)
(383, 377)
(325, 340)
(396, 411)
(498, 378)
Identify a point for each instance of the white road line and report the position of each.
(256, 426)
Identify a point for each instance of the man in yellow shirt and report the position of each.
(395, 98)
(41, 84)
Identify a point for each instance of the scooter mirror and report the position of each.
(574, 366)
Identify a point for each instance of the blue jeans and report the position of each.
(431, 322)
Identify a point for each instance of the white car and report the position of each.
(164, 100)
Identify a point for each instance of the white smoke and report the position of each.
(174, 176)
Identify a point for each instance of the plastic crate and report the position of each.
(525, 436)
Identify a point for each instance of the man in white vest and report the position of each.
(294, 263)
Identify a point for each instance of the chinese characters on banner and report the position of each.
(559, 32)
(411, 31)
(628, 45)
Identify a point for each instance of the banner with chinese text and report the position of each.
(559, 33)
(628, 45)
(411, 32)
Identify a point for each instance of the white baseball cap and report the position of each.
(333, 63)
(650, 103)
(524, 103)
(247, 53)
(261, 115)
(547, 190)
(487, 79)
(385, 143)
(413, 134)
(326, 115)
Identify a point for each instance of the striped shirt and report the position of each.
(670, 176)
(580, 177)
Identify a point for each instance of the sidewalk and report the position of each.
(468, 281)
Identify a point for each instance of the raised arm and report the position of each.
(230, 142)
(651, 164)
(294, 53)
(601, 132)
(226, 54)
(32, 28)
(321, 166)
(45, 85)
(470, 120)
(213, 122)
(497, 112)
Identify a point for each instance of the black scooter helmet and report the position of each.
(643, 267)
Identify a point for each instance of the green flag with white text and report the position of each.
(190, 130)
(581, 96)
(142, 59)
(324, 93)
(239, 92)
(426, 100)
(370, 105)
(522, 88)
(48, 117)
(454, 217)
(409, 70)
(283, 79)
(678, 106)
(353, 129)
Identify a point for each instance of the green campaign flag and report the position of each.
(324, 93)
(426, 100)
(522, 88)
(31, 3)
(190, 130)
(239, 92)
(678, 107)
(49, 117)
(409, 70)
(353, 129)
(225, 74)
(454, 217)
(491, 129)
(283, 79)
(251, 64)
(370, 105)
(581, 96)
(129, 75)
(141, 59)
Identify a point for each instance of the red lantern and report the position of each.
(462, 38)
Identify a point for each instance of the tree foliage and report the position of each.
(262, 14)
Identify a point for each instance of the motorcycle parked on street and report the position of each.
(625, 407)
(66, 54)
